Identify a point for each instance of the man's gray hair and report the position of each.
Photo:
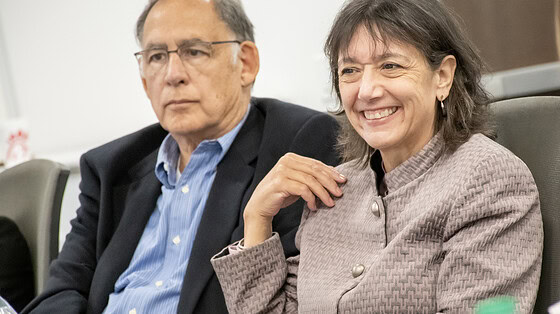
(229, 11)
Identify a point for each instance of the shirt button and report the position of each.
(177, 240)
(185, 189)
(133, 311)
(165, 167)
(159, 283)
(375, 209)
(357, 270)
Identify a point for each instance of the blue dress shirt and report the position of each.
(152, 282)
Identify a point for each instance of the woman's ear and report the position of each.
(249, 56)
(444, 76)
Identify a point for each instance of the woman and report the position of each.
(430, 216)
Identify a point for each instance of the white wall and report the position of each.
(75, 80)
(290, 35)
(2, 103)
(73, 72)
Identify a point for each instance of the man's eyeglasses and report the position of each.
(192, 52)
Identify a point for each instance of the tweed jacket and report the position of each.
(453, 229)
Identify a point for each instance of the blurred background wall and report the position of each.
(518, 40)
(67, 67)
(510, 33)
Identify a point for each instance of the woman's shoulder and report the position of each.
(482, 154)
(353, 168)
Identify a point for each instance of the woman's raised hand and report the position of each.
(292, 177)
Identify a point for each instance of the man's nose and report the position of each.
(370, 86)
(176, 72)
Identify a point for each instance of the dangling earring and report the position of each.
(443, 110)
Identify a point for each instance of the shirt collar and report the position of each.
(168, 154)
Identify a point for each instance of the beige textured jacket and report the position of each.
(453, 229)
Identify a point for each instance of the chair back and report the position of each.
(31, 195)
(530, 128)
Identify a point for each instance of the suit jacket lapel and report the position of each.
(142, 195)
(222, 211)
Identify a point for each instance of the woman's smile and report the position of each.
(379, 113)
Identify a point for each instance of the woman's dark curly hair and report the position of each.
(433, 30)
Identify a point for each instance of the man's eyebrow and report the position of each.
(151, 46)
(184, 42)
(188, 42)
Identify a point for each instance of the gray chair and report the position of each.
(530, 128)
(31, 195)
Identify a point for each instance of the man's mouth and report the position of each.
(380, 113)
(179, 102)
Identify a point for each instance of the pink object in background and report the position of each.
(14, 142)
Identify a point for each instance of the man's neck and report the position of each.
(188, 143)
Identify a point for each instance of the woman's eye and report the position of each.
(347, 71)
(390, 66)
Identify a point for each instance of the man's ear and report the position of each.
(144, 84)
(445, 74)
(249, 57)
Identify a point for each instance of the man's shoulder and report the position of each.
(284, 117)
(278, 109)
(128, 149)
(292, 128)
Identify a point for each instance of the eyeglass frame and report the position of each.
(139, 55)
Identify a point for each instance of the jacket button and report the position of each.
(375, 209)
(357, 270)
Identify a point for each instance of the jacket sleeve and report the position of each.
(70, 275)
(493, 239)
(258, 279)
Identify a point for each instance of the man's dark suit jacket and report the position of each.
(119, 190)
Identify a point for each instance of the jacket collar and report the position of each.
(410, 169)
(223, 209)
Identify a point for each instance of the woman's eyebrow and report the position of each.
(389, 55)
(346, 59)
(384, 56)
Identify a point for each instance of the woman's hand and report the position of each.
(292, 177)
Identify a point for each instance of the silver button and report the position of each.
(133, 311)
(357, 270)
(165, 167)
(375, 209)
(185, 189)
(159, 283)
(177, 240)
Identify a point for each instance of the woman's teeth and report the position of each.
(378, 114)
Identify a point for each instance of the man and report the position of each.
(143, 239)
